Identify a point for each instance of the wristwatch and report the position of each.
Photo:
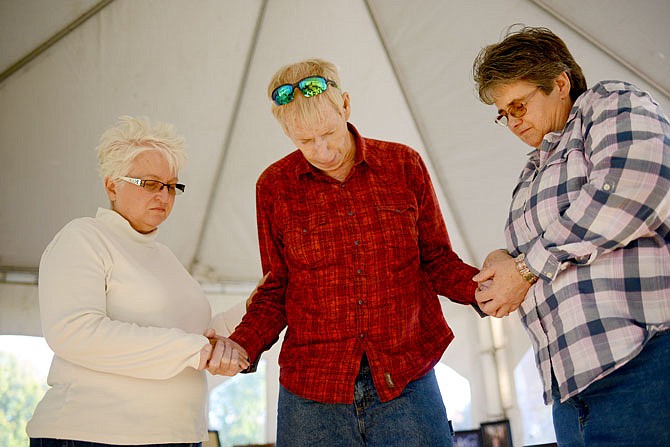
(523, 269)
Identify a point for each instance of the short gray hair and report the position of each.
(121, 144)
(532, 54)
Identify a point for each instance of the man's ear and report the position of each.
(346, 106)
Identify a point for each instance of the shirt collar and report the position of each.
(361, 157)
(118, 224)
(552, 138)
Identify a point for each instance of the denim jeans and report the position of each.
(48, 442)
(416, 418)
(629, 407)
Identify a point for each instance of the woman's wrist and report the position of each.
(524, 271)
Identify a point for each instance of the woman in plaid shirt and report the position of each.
(588, 240)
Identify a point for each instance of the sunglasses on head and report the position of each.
(309, 86)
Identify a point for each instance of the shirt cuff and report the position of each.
(253, 366)
(542, 262)
(195, 361)
(479, 311)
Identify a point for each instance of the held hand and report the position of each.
(501, 287)
(206, 351)
(495, 256)
(205, 354)
(485, 278)
(228, 358)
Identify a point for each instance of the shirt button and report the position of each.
(357, 242)
(359, 271)
(361, 302)
(342, 185)
(607, 187)
(350, 213)
(549, 274)
(361, 335)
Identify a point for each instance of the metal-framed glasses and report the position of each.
(309, 86)
(517, 109)
(154, 186)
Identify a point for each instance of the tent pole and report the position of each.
(542, 4)
(468, 252)
(25, 60)
(229, 135)
(489, 359)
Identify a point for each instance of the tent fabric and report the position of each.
(407, 66)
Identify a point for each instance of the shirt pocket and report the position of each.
(557, 185)
(398, 225)
(306, 240)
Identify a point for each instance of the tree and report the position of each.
(237, 408)
(20, 392)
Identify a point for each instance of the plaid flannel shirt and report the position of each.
(357, 267)
(591, 210)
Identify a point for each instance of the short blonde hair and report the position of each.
(304, 110)
(121, 144)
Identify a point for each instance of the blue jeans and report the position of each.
(416, 418)
(629, 407)
(48, 442)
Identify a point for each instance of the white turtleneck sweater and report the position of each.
(125, 321)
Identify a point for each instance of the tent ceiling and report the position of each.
(635, 34)
(406, 65)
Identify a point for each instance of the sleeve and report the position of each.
(625, 197)
(266, 316)
(450, 276)
(72, 284)
(224, 322)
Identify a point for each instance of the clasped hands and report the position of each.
(501, 289)
(222, 355)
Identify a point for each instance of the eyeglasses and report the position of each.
(517, 109)
(309, 86)
(154, 186)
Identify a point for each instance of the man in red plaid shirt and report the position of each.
(351, 231)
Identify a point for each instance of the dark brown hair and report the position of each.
(535, 55)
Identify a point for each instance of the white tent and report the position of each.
(71, 67)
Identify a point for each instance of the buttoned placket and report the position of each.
(353, 229)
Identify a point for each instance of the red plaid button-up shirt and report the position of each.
(356, 268)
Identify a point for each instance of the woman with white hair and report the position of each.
(128, 325)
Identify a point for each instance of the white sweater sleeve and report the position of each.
(73, 307)
(224, 323)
